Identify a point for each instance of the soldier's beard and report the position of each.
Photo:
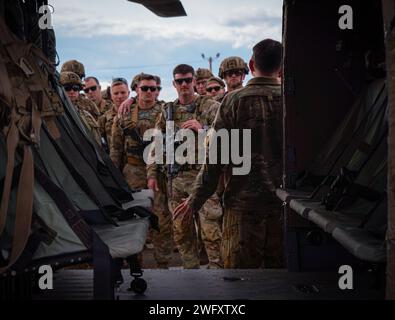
(186, 96)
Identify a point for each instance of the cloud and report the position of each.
(260, 18)
(237, 27)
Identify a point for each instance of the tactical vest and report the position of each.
(134, 128)
(180, 114)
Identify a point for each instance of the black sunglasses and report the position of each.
(123, 80)
(216, 88)
(146, 88)
(181, 81)
(93, 89)
(74, 87)
(234, 72)
(159, 88)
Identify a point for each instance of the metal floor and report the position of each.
(203, 284)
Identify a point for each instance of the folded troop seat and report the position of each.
(349, 138)
(350, 203)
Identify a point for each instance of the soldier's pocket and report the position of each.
(212, 209)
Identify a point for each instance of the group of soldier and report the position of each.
(236, 220)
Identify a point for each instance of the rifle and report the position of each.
(138, 150)
(170, 169)
(104, 145)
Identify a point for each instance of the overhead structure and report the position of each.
(164, 8)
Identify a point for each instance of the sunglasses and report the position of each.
(233, 72)
(216, 88)
(123, 80)
(181, 81)
(75, 87)
(146, 88)
(93, 89)
(159, 88)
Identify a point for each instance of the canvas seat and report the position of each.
(329, 220)
(345, 141)
(361, 243)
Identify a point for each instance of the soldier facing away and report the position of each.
(187, 112)
(252, 232)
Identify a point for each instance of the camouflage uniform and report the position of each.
(105, 105)
(127, 154)
(105, 125)
(70, 78)
(88, 105)
(252, 232)
(91, 123)
(186, 238)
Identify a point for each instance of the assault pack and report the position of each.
(62, 200)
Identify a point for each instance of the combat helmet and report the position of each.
(69, 78)
(232, 63)
(217, 80)
(135, 81)
(202, 73)
(74, 66)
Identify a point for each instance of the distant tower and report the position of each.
(210, 60)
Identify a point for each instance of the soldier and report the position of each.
(72, 85)
(84, 103)
(252, 233)
(233, 70)
(93, 91)
(187, 113)
(202, 75)
(125, 107)
(127, 153)
(215, 88)
(119, 93)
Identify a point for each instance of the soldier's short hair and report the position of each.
(119, 81)
(183, 69)
(267, 55)
(158, 80)
(145, 76)
(94, 79)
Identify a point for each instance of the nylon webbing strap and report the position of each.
(79, 226)
(24, 208)
(135, 116)
(103, 281)
(12, 142)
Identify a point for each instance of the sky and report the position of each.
(119, 38)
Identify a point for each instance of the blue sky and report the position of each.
(120, 38)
